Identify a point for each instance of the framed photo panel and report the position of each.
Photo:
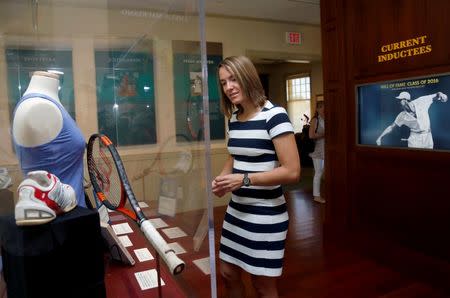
(22, 62)
(188, 84)
(125, 96)
(411, 113)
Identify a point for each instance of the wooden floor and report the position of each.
(318, 267)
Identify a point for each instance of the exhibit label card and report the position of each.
(174, 232)
(203, 265)
(125, 241)
(148, 279)
(158, 223)
(143, 254)
(143, 204)
(122, 228)
(177, 248)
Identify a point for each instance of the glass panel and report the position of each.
(136, 72)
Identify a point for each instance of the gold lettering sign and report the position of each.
(404, 48)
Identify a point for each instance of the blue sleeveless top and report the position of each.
(62, 156)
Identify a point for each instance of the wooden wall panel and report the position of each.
(336, 158)
(330, 41)
(403, 194)
(331, 75)
(378, 23)
(336, 111)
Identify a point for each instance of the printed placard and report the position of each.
(148, 279)
(122, 228)
(203, 265)
(175, 232)
(143, 254)
(125, 240)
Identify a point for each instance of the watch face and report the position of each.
(246, 181)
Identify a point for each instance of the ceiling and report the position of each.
(295, 11)
(305, 12)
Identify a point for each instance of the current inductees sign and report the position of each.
(294, 38)
(405, 48)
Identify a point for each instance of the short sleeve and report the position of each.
(400, 119)
(278, 122)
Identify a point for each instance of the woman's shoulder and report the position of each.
(272, 108)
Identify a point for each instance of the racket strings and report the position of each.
(106, 175)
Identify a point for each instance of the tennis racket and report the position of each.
(110, 183)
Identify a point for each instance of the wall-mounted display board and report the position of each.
(22, 62)
(188, 82)
(407, 113)
(125, 96)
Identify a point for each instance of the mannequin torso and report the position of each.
(38, 121)
(45, 135)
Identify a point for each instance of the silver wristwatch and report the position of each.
(246, 181)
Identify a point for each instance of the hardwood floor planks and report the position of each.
(316, 267)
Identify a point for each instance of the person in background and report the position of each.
(263, 155)
(317, 133)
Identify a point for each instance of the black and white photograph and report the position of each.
(410, 113)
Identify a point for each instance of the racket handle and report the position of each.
(175, 264)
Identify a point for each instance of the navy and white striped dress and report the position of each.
(256, 221)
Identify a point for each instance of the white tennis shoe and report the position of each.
(41, 198)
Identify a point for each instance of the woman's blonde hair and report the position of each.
(247, 77)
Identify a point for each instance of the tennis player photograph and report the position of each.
(410, 113)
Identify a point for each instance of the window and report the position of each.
(298, 88)
(298, 91)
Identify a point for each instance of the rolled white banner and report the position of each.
(175, 264)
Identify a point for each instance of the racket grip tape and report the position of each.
(175, 264)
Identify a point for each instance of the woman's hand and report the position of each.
(226, 183)
(217, 190)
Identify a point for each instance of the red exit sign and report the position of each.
(294, 38)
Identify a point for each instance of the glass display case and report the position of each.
(142, 73)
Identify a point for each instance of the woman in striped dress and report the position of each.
(263, 155)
